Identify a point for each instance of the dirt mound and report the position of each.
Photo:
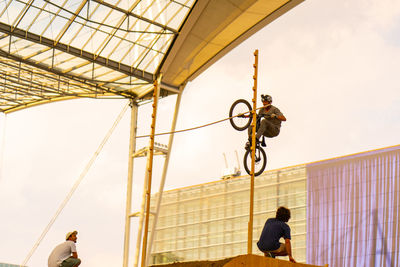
(239, 261)
(218, 263)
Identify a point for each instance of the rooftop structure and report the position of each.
(54, 51)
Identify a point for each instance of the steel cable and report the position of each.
(75, 186)
(198, 127)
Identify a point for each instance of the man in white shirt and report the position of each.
(65, 255)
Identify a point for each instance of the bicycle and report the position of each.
(240, 118)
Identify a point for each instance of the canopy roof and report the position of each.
(56, 50)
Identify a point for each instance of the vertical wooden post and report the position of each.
(164, 173)
(156, 94)
(253, 149)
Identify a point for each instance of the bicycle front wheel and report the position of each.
(260, 161)
(239, 109)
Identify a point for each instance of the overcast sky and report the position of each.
(331, 67)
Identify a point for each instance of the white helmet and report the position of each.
(267, 98)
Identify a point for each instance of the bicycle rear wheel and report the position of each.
(240, 106)
(260, 161)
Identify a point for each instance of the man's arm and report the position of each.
(278, 114)
(75, 255)
(281, 118)
(288, 247)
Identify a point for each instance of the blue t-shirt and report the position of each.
(272, 232)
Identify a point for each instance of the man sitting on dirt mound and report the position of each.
(273, 230)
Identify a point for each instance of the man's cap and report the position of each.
(70, 233)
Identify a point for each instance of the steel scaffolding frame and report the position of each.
(144, 245)
(55, 51)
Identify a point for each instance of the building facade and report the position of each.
(210, 221)
(9, 265)
(345, 210)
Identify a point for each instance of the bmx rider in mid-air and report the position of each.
(270, 123)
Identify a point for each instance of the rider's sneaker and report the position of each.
(248, 144)
(263, 144)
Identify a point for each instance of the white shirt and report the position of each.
(61, 252)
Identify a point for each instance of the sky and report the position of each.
(331, 67)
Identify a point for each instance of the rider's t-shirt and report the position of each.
(273, 230)
(273, 110)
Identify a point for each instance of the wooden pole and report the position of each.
(253, 149)
(164, 173)
(150, 168)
